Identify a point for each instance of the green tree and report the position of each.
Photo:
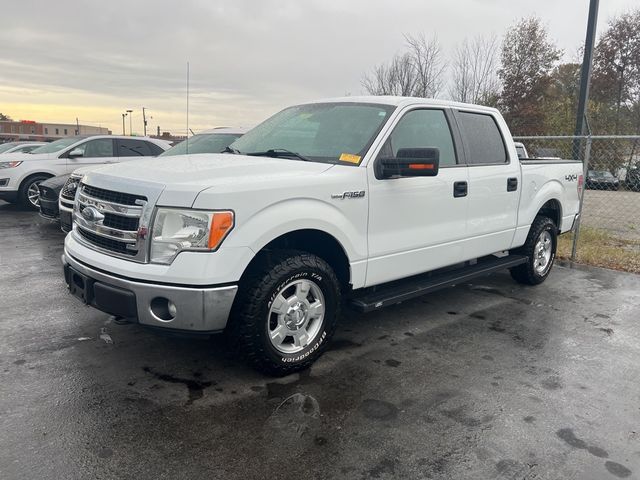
(616, 76)
(4, 117)
(561, 100)
(528, 57)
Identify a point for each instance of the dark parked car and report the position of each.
(602, 180)
(632, 180)
(58, 193)
(49, 191)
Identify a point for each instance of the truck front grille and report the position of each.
(68, 192)
(111, 222)
(111, 196)
(106, 243)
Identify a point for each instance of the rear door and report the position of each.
(494, 184)
(97, 151)
(417, 224)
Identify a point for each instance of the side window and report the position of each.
(155, 149)
(422, 129)
(133, 148)
(101, 147)
(482, 136)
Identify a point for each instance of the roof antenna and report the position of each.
(187, 150)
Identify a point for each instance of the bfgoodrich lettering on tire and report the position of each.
(285, 311)
(540, 247)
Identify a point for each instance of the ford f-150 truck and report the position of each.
(366, 201)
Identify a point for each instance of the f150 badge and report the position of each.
(344, 195)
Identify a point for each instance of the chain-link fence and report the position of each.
(609, 231)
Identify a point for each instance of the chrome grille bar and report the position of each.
(96, 228)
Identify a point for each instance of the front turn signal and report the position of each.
(221, 224)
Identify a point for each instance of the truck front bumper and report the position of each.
(191, 309)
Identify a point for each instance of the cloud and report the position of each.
(248, 58)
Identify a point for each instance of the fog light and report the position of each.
(163, 309)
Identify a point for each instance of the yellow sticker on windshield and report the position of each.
(349, 157)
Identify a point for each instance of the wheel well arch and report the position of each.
(31, 175)
(553, 210)
(316, 242)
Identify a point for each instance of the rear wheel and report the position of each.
(540, 247)
(285, 312)
(29, 195)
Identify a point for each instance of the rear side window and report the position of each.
(422, 129)
(482, 137)
(155, 149)
(133, 148)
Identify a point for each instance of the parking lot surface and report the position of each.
(483, 380)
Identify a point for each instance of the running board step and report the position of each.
(402, 290)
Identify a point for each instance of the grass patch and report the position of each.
(602, 249)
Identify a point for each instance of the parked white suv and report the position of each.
(21, 173)
(370, 201)
(19, 147)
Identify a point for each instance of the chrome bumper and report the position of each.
(197, 310)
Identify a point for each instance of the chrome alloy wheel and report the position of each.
(296, 316)
(33, 194)
(542, 253)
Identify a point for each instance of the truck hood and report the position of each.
(177, 180)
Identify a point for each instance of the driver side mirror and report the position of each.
(411, 162)
(76, 152)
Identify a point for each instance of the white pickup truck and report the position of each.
(366, 201)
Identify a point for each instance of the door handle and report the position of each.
(512, 184)
(460, 189)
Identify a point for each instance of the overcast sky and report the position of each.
(248, 58)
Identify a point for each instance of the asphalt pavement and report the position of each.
(483, 380)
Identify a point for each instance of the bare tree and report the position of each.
(394, 78)
(428, 66)
(417, 72)
(474, 75)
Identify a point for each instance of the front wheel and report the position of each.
(29, 193)
(540, 248)
(285, 312)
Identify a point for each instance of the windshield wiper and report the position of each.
(279, 152)
(228, 149)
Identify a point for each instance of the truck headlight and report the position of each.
(175, 231)
(9, 164)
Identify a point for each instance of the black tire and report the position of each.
(23, 192)
(527, 273)
(252, 320)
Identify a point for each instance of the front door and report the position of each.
(417, 224)
(92, 152)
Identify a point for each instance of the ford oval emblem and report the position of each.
(91, 214)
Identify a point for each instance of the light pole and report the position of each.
(130, 116)
(123, 130)
(144, 121)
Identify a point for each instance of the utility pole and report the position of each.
(124, 132)
(585, 75)
(158, 130)
(77, 126)
(130, 129)
(144, 121)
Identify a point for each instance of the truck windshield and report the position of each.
(321, 132)
(203, 143)
(57, 145)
